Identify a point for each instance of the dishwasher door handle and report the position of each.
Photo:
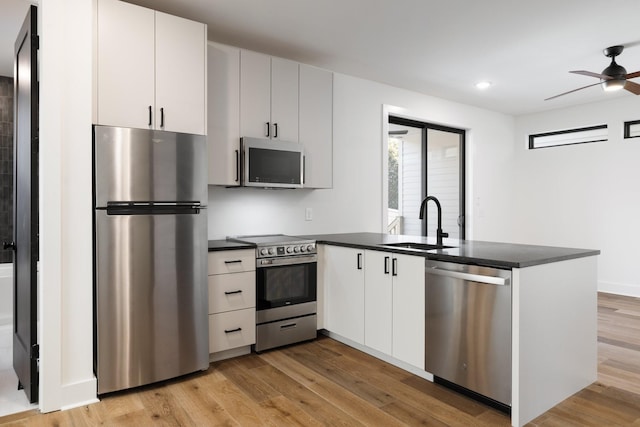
(491, 280)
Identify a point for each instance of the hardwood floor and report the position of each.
(327, 383)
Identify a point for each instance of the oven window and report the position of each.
(286, 285)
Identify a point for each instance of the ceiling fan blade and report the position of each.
(632, 87)
(591, 74)
(633, 75)
(571, 91)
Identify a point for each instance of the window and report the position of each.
(632, 129)
(424, 159)
(569, 137)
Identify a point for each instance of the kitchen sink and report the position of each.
(417, 246)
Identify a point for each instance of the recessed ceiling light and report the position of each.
(483, 85)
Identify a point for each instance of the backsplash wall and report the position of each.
(6, 164)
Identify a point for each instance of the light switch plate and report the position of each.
(308, 214)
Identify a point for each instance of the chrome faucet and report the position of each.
(439, 233)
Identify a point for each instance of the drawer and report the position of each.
(229, 292)
(232, 329)
(221, 262)
(276, 334)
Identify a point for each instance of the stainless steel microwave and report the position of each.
(272, 164)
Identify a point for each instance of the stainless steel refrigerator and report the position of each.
(150, 247)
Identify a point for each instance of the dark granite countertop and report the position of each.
(227, 245)
(490, 254)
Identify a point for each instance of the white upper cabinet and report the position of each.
(180, 74)
(223, 114)
(316, 125)
(151, 70)
(284, 99)
(268, 97)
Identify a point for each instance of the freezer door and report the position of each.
(151, 298)
(149, 165)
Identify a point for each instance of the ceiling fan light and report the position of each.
(613, 84)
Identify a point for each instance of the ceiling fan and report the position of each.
(614, 77)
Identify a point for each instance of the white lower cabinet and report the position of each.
(232, 302)
(394, 305)
(343, 277)
(376, 299)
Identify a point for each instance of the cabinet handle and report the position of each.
(275, 130)
(386, 265)
(239, 291)
(150, 116)
(162, 117)
(394, 267)
(229, 331)
(359, 261)
(289, 325)
(233, 261)
(304, 169)
(237, 166)
(268, 128)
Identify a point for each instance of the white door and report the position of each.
(180, 74)
(223, 114)
(378, 296)
(284, 99)
(125, 65)
(409, 309)
(255, 94)
(316, 125)
(343, 272)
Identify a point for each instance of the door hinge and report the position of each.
(35, 351)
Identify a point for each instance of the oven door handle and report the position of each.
(274, 262)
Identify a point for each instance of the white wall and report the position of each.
(355, 202)
(586, 195)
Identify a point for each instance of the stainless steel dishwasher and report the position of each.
(468, 329)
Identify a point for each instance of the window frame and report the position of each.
(627, 129)
(533, 137)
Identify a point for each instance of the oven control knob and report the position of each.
(289, 249)
(263, 251)
(296, 249)
(310, 248)
(303, 248)
(271, 251)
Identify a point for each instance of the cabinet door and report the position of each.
(409, 310)
(255, 94)
(343, 273)
(223, 114)
(180, 74)
(284, 99)
(316, 125)
(125, 64)
(378, 295)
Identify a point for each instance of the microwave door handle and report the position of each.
(304, 170)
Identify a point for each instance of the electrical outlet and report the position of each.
(308, 214)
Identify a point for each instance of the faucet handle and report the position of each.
(443, 234)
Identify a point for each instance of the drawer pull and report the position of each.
(288, 325)
(230, 331)
(239, 291)
(234, 261)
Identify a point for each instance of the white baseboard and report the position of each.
(619, 288)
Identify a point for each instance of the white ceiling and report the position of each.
(441, 48)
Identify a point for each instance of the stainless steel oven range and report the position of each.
(286, 289)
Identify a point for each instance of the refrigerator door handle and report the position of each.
(155, 208)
